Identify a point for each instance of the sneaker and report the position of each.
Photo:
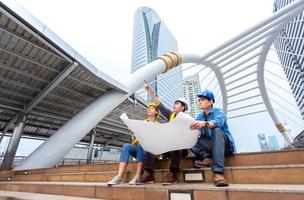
(146, 178)
(207, 162)
(171, 178)
(115, 181)
(219, 180)
(134, 180)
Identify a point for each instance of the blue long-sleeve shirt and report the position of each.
(217, 116)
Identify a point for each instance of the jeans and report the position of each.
(215, 148)
(175, 156)
(134, 151)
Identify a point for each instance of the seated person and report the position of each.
(215, 140)
(135, 150)
(180, 105)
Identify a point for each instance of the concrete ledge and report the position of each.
(267, 174)
(284, 157)
(151, 191)
(5, 195)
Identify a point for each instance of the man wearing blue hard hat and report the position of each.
(215, 140)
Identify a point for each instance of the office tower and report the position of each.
(263, 142)
(151, 39)
(190, 88)
(290, 49)
(273, 143)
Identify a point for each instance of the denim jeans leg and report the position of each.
(139, 153)
(219, 145)
(125, 153)
(202, 149)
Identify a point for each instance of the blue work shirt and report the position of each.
(217, 116)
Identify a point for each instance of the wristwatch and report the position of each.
(206, 124)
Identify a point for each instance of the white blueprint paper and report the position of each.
(161, 138)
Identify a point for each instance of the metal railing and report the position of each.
(66, 161)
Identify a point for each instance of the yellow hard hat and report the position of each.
(155, 106)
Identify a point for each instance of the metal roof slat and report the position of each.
(21, 36)
(23, 49)
(35, 61)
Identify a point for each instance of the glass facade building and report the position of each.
(273, 143)
(263, 142)
(290, 49)
(151, 39)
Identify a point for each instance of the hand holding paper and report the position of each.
(161, 138)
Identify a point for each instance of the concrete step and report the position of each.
(241, 159)
(268, 174)
(9, 195)
(157, 191)
(4, 174)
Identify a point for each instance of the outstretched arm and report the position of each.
(151, 93)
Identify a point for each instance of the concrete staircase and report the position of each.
(265, 175)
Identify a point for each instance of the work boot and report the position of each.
(207, 162)
(219, 180)
(146, 178)
(115, 181)
(170, 178)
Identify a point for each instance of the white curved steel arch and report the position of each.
(250, 38)
(74, 130)
(261, 79)
(192, 58)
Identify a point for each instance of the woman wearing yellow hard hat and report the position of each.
(135, 150)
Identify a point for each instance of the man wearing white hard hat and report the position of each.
(180, 105)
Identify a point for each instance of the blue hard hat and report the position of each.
(207, 94)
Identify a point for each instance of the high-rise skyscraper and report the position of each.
(273, 142)
(263, 142)
(151, 39)
(290, 49)
(190, 88)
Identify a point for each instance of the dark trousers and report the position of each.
(175, 156)
(215, 148)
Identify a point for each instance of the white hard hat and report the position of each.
(183, 100)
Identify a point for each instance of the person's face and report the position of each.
(204, 103)
(152, 112)
(178, 107)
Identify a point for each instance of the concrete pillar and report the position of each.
(14, 143)
(90, 150)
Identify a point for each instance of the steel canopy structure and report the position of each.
(238, 66)
(43, 77)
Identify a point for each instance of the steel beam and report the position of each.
(13, 144)
(90, 150)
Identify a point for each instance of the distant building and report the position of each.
(190, 88)
(290, 48)
(273, 143)
(151, 39)
(263, 142)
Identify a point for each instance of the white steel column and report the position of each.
(58, 145)
(261, 80)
